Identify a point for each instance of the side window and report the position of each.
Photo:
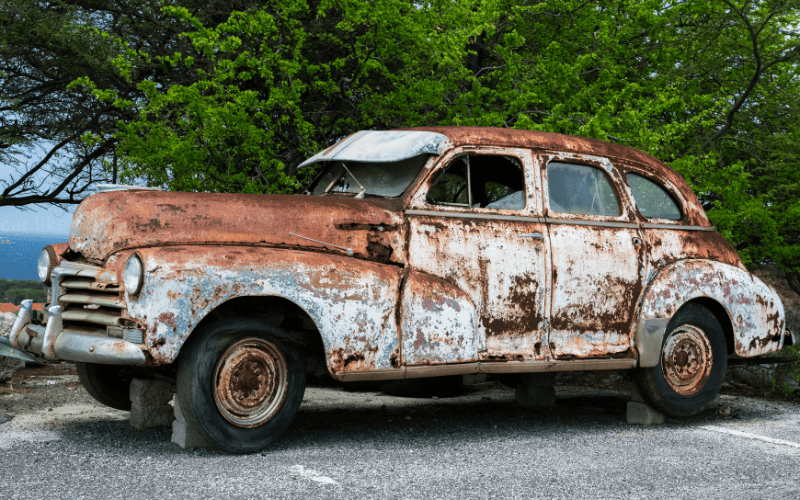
(480, 181)
(581, 189)
(653, 201)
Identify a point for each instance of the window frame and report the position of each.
(671, 192)
(621, 189)
(531, 183)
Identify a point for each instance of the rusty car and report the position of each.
(421, 252)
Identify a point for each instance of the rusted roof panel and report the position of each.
(550, 142)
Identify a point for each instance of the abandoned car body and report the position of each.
(413, 253)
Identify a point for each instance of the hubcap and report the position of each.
(250, 382)
(686, 359)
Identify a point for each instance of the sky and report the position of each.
(36, 221)
(33, 220)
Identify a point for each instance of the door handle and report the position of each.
(536, 236)
(637, 241)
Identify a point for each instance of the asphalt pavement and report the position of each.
(369, 445)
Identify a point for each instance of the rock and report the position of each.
(8, 366)
(762, 376)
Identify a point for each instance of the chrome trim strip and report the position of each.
(581, 222)
(551, 220)
(648, 225)
(462, 215)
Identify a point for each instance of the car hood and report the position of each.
(110, 222)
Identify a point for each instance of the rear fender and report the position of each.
(754, 308)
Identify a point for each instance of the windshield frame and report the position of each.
(348, 168)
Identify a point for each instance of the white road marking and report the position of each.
(312, 475)
(747, 435)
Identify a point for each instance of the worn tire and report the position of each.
(240, 383)
(687, 385)
(108, 384)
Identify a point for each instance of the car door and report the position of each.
(476, 224)
(599, 257)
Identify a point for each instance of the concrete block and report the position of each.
(178, 413)
(538, 379)
(186, 438)
(149, 417)
(643, 414)
(635, 396)
(531, 395)
(146, 392)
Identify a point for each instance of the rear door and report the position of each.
(598, 258)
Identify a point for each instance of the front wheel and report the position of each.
(693, 360)
(240, 383)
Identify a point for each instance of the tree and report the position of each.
(235, 102)
(59, 141)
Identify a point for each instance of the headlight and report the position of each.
(45, 264)
(132, 276)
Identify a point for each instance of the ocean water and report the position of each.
(19, 253)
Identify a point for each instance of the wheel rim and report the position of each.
(686, 359)
(250, 382)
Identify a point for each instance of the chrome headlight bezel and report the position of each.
(45, 264)
(133, 275)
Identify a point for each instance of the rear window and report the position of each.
(653, 201)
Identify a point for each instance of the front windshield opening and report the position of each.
(385, 179)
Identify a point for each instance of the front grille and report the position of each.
(89, 296)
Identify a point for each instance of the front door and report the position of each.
(476, 225)
(599, 257)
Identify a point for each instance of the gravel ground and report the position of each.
(351, 444)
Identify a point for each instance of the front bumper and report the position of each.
(53, 342)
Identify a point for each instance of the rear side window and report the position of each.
(581, 189)
(653, 201)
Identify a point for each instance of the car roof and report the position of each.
(551, 142)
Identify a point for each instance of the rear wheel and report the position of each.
(240, 383)
(693, 360)
(108, 384)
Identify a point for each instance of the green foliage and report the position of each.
(710, 87)
(791, 369)
(15, 291)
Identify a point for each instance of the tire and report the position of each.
(108, 384)
(695, 355)
(240, 383)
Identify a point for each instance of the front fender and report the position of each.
(754, 308)
(352, 301)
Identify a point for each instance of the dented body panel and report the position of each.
(755, 310)
(414, 285)
(184, 284)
